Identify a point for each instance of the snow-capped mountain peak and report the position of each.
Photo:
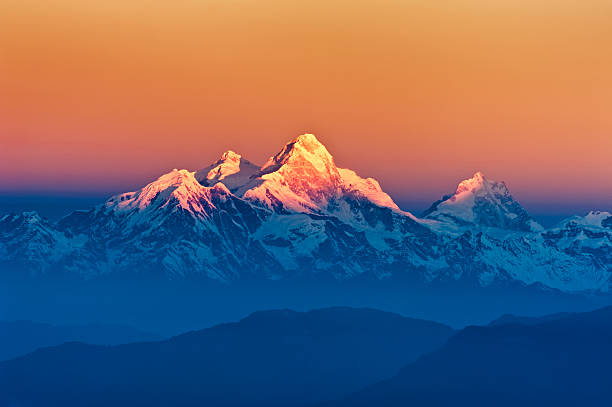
(300, 212)
(178, 187)
(304, 151)
(231, 169)
(231, 155)
(479, 185)
(484, 202)
(593, 219)
(599, 219)
(302, 176)
(367, 188)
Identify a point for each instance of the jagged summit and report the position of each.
(178, 188)
(305, 150)
(478, 181)
(479, 185)
(367, 188)
(231, 169)
(300, 213)
(302, 176)
(29, 217)
(599, 218)
(230, 155)
(594, 219)
(484, 202)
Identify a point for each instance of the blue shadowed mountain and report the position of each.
(270, 358)
(20, 337)
(559, 360)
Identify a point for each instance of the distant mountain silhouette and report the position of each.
(523, 320)
(272, 358)
(20, 337)
(563, 361)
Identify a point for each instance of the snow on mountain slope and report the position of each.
(532, 258)
(177, 192)
(302, 177)
(483, 202)
(231, 169)
(594, 219)
(584, 235)
(367, 188)
(299, 214)
(30, 241)
(174, 223)
(178, 187)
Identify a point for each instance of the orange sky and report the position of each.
(104, 95)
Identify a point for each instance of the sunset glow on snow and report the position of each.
(416, 94)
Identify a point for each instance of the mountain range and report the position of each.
(270, 358)
(21, 337)
(299, 215)
(331, 357)
(557, 360)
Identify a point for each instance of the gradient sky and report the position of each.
(103, 96)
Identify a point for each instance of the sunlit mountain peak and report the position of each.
(231, 169)
(305, 150)
(483, 202)
(177, 186)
